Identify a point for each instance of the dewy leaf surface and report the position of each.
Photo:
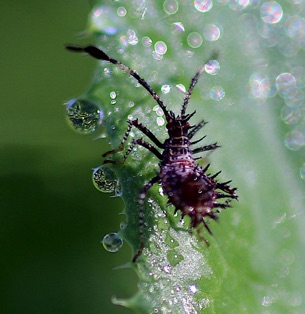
(255, 262)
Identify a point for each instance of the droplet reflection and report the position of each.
(83, 116)
(271, 12)
(212, 67)
(203, 5)
(217, 93)
(112, 242)
(104, 179)
(211, 32)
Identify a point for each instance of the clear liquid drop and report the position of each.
(104, 180)
(83, 116)
(112, 242)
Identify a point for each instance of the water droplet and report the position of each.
(174, 257)
(132, 37)
(157, 56)
(112, 242)
(121, 11)
(271, 12)
(160, 47)
(286, 84)
(181, 88)
(165, 89)
(104, 179)
(83, 116)
(170, 6)
(167, 269)
(146, 41)
(217, 93)
(259, 85)
(290, 115)
(194, 40)
(212, 67)
(203, 5)
(192, 288)
(160, 121)
(113, 95)
(211, 32)
(178, 27)
(294, 140)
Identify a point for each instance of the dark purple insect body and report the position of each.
(188, 186)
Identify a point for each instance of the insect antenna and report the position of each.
(101, 55)
(193, 84)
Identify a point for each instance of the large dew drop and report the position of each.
(104, 179)
(112, 242)
(84, 116)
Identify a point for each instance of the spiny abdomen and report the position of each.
(190, 190)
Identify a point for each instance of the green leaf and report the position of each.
(254, 263)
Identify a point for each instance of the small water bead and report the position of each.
(104, 179)
(160, 47)
(271, 12)
(84, 116)
(194, 40)
(160, 121)
(259, 85)
(170, 6)
(211, 32)
(132, 37)
(286, 84)
(294, 140)
(165, 89)
(192, 289)
(203, 5)
(157, 56)
(217, 93)
(181, 88)
(212, 67)
(146, 41)
(121, 11)
(178, 27)
(112, 242)
(290, 115)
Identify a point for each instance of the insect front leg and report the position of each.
(121, 146)
(141, 142)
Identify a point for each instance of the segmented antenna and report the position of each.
(101, 55)
(193, 84)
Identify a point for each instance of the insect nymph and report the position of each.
(188, 186)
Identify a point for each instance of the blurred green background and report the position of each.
(52, 218)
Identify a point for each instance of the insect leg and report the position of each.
(205, 148)
(143, 129)
(141, 215)
(141, 142)
(121, 146)
(196, 128)
(147, 132)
